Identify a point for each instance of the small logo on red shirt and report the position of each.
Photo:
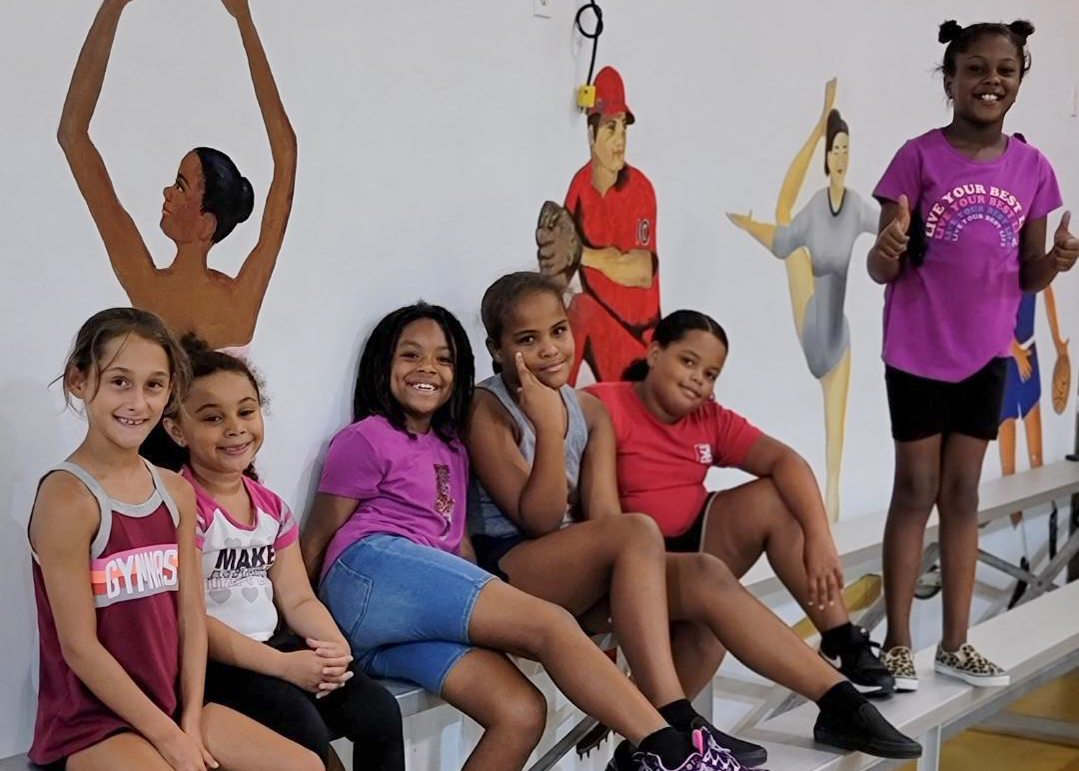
(704, 453)
(644, 231)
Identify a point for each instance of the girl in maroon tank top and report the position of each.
(117, 583)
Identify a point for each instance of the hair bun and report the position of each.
(1022, 28)
(246, 202)
(949, 31)
(194, 345)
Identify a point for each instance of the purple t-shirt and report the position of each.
(415, 487)
(948, 317)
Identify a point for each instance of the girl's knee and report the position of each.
(916, 489)
(711, 572)
(525, 713)
(959, 496)
(551, 625)
(640, 530)
(373, 713)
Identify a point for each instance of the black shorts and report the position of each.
(692, 539)
(490, 549)
(921, 407)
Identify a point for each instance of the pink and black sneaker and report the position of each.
(709, 756)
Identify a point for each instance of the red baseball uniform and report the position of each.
(611, 322)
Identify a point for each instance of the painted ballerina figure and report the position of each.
(207, 200)
(816, 247)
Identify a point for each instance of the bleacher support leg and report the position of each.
(930, 759)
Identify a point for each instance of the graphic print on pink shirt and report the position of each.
(974, 202)
(443, 501)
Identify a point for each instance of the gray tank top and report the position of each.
(484, 516)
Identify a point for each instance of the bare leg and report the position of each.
(697, 655)
(835, 384)
(702, 589)
(917, 483)
(487, 687)
(744, 522)
(126, 750)
(958, 506)
(1006, 441)
(508, 619)
(620, 555)
(238, 743)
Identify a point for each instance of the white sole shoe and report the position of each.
(906, 684)
(978, 681)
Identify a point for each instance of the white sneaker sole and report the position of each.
(865, 690)
(906, 684)
(978, 681)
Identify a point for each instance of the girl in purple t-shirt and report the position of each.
(386, 535)
(962, 235)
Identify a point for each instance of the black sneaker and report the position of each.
(748, 754)
(623, 757)
(857, 658)
(865, 730)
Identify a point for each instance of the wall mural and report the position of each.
(201, 207)
(816, 247)
(601, 245)
(1023, 386)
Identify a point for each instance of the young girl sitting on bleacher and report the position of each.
(670, 431)
(116, 575)
(547, 516)
(296, 678)
(386, 534)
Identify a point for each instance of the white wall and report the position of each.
(429, 134)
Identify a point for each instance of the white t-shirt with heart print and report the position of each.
(236, 558)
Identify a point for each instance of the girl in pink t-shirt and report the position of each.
(116, 574)
(547, 516)
(962, 235)
(388, 523)
(670, 431)
(276, 654)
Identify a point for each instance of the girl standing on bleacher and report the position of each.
(293, 674)
(116, 577)
(962, 235)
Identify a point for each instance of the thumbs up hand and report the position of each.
(893, 240)
(1065, 245)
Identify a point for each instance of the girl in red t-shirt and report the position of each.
(670, 431)
(118, 583)
(545, 514)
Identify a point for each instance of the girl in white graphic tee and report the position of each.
(289, 673)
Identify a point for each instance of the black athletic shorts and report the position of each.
(921, 407)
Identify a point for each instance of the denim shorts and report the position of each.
(405, 608)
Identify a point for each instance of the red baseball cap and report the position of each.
(610, 95)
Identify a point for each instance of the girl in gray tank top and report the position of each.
(547, 518)
(484, 516)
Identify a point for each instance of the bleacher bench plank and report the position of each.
(1027, 640)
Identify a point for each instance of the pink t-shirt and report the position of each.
(948, 317)
(662, 466)
(236, 558)
(412, 486)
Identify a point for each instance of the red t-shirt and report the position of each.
(661, 466)
(625, 218)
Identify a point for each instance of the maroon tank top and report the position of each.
(133, 570)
